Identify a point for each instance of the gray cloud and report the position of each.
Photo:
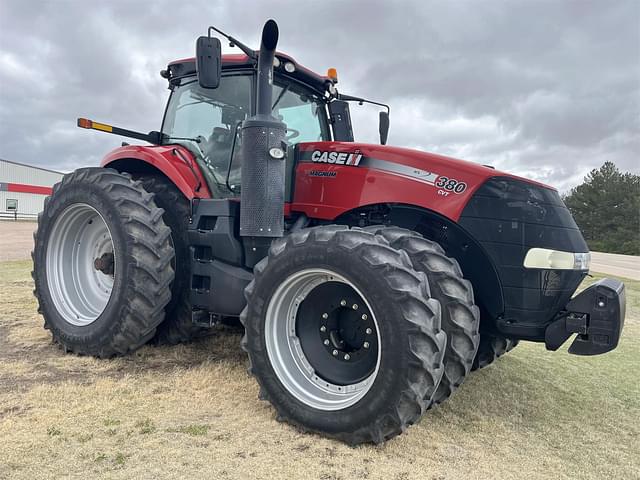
(545, 89)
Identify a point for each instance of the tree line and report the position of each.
(606, 207)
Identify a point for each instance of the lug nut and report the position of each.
(326, 342)
(347, 356)
(368, 330)
(364, 316)
(323, 328)
(343, 302)
(355, 306)
(365, 344)
(335, 353)
(325, 315)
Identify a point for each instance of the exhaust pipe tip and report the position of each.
(265, 67)
(270, 34)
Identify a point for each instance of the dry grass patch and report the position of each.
(192, 411)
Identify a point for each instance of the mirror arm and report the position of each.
(235, 43)
(384, 132)
(350, 98)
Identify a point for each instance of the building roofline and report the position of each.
(31, 166)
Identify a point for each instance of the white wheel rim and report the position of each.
(79, 291)
(285, 353)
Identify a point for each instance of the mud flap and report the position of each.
(596, 315)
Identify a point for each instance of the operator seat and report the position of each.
(219, 148)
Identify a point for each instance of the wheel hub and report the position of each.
(331, 325)
(104, 263)
(347, 332)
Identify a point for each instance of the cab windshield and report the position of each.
(206, 120)
(304, 113)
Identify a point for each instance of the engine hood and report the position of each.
(425, 161)
(332, 178)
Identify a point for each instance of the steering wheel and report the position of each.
(291, 134)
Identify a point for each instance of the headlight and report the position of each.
(556, 260)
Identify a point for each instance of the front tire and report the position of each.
(102, 263)
(491, 348)
(342, 335)
(460, 315)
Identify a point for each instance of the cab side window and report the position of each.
(211, 117)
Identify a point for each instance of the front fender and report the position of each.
(173, 161)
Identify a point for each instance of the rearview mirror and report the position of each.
(341, 121)
(383, 127)
(208, 62)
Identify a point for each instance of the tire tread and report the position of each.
(409, 287)
(178, 326)
(149, 255)
(460, 315)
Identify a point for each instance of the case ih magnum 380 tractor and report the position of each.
(369, 279)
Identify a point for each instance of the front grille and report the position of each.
(508, 217)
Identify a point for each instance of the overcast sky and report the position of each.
(543, 89)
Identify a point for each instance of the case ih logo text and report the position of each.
(352, 159)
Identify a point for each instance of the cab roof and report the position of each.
(187, 67)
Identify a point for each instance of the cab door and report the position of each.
(206, 121)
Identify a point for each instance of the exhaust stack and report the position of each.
(263, 153)
(265, 67)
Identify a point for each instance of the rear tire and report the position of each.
(304, 277)
(102, 263)
(177, 326)
(491, 348)
(460, 315)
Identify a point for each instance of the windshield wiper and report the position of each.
(196, 140)
(284, 90)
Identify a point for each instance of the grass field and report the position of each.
(192, 411)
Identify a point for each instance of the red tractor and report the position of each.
(369, 279)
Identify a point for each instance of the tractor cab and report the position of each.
(206, 121)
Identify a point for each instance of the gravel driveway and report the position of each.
(16, 240)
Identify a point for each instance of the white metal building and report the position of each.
(23, 189)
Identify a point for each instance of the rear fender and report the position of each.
(173, 161)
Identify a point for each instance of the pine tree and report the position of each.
(606, 207)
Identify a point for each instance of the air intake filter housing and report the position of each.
(263, 177)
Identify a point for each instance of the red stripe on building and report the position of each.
(24, 188)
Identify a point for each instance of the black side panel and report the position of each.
(213, 233)
(289, 171)
(218, 287)
(458, 244)
(218, 277)
(508, 217)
